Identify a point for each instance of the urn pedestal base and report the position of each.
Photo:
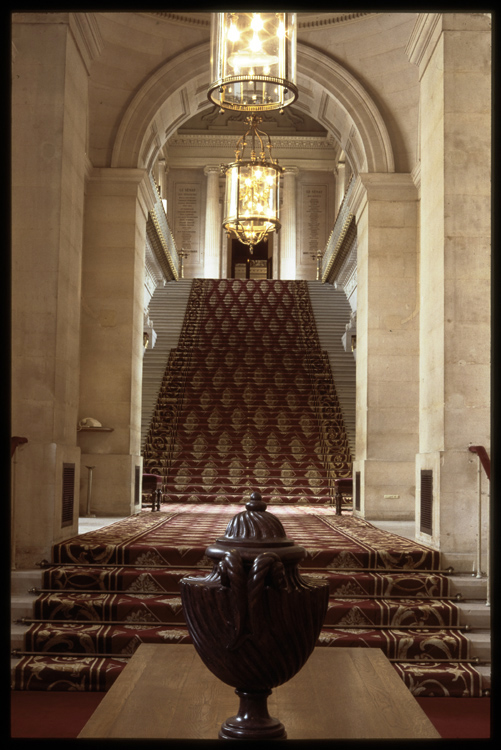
(253, 721)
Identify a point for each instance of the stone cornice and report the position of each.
(312, 22)
(306, 21)
(122, 182)
(396, 186)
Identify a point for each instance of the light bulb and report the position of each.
(281, 30)
(233, 33)
(255, 43)
(257, 22)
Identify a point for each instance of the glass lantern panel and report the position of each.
(253, 60)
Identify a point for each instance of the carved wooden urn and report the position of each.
(254, 620)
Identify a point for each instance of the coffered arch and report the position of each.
(328, 92)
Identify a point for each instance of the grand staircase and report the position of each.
(247, 402)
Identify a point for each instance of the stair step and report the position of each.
(476, 614)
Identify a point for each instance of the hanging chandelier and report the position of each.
(253, 61)
(252, 184)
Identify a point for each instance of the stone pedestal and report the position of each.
(112, 332)
(386, 210)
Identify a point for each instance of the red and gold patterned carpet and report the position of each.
(110, 590)
(247, 403)
(248, 400)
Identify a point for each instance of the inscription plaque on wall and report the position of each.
(314, 215)
(187, 221)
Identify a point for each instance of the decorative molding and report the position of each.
(208, 170)
(423, 39)
(416, 176)
(354, 98)
(331, 20)
(87, 36)
(397, 186)
(192, 19)
(209, 141)
(306, 21)
(156, 99)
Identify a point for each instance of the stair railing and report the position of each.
(343, 221)
(165, 234)
(483, 462)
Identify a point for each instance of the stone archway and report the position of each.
(178, 89)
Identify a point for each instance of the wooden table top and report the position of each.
(341, 693)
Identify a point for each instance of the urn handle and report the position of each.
(247, 590)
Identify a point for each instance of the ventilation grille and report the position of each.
(68, 495)
(357, 490)
(137, 485)
(426, 501)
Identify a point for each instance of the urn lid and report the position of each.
(256, 530)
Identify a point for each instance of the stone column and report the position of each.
(453, 52)
(48, 175)
(288, 228)
(212, 249)
(386, 211)
(111, 346)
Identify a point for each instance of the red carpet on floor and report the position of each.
(63, 714)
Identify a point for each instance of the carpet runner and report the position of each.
(248, 399)
(110, 590)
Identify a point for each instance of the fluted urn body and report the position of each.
(254, 620)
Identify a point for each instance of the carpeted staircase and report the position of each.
(248, 399)
(110, 590)
(246, 404)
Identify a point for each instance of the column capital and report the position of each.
(294, 171)
(212, 170)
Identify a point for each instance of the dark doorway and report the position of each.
(247, 266)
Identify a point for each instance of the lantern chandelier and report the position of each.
(253, 63)
(251, 198)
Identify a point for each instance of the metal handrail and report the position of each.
(483, 456)
(485, 464)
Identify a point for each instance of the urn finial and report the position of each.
(256, 502)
